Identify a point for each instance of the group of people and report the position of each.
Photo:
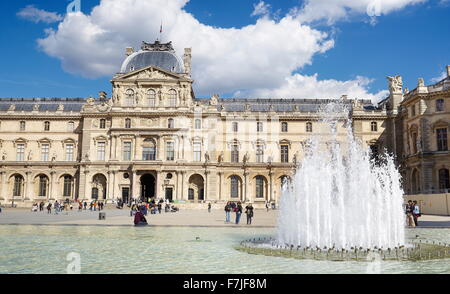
(237, 208)
(66, 206)
(412, 211)
(141, 209)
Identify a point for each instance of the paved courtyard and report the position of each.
(116, 217)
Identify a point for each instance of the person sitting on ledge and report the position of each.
(139, 219)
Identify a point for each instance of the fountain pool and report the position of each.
(173, 250)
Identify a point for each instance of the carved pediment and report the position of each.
(151, 73)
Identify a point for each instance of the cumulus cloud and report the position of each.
(261, 8)
(304, 86)
(258, 59)
(36, 15)
(332, 11)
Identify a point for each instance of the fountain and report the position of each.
(342, 203)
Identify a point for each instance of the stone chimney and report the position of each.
(129, 51)
(187, 61)
(448, 71)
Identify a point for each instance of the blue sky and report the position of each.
(411, 40)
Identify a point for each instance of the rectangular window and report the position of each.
(198, 124)
(197, 152)
(260, 153)
(45, 150)
(235, 153)
(413, 110)
(235, 127)
(284, 153)
(442, 139)
(149, 153)
(69, 152)
(22, 126)
(126, 151)
(101, 146)
(20, 156)
(71, 126)
(259, 127)
(170, 151)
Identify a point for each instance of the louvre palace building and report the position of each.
(151, 137)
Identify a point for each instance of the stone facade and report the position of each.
(154, 138)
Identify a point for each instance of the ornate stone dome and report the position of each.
(158, 54)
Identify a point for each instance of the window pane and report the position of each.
(45, 152)
(127, 151)
(197, 152)
(170, 151)
(234, 191)
(101, 150)
(284, 153)
(69, 152)
(20, 156)
(441, 139)
(235, 153)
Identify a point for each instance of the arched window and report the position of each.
(129, 97)
(172, 98)
(68, 183)
(374, 126)
(43, 185)
(95, 193)
(444, 180)
(18, 186)
(170, 123)
(47, 126)
(149, 150)
(259, 187)
(102, 123)
(234, 188)
(309, 128)
(127, 123)
(440, 105)
(284, 127)
(198, 124)
(151, 98)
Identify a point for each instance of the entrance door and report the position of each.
(125, 195)
(169, 194)
(148, 183)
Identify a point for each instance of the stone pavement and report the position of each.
(199, 218)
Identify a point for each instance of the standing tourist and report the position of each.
(267, 206)
(227, 212)
(416, 213)
(209, 207)
(56, 205)
(49, 208)
(409, 216)
(238, 212)
(85, 204)
(249, 212)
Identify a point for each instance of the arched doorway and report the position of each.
(98, 191)
(196, 190)
(148, 183)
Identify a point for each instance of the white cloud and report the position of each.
(36, 15)
(261, 8)
(332, 11)
(303, 86)
(224, 60)
(257, 59)
(439, 78)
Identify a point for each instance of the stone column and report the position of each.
(51, 193)
(87, 190)
(220, 185)
(135, 156)
(160, 153)
(206, 196)
(271, 186)
(245, 198)
(28, 187)
(3, 186)
(114, 173)
(183, 173)
(108, 185)
(134, 187)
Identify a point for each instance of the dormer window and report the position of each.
(374, 126)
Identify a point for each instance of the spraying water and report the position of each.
(339, 197)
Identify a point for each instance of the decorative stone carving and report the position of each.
(214, 99)
(90, 101)
(246, 157)
(4, 155)
(36, 107)
(54, 156)
(207, 157)
(420, 82)
(12, 107)
(248, 107)
(30, 155)
(395, 84)
(104, 107)
(221, 157)
(60, 107)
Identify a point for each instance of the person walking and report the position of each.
(267, 206)
(227, 212)
(409, 216)
(85, 205)
(159, 207)
(238, 212)
(209, 207)
(249, 212)
(416, 213)
(49, 208)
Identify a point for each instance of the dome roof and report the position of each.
(157, 54)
